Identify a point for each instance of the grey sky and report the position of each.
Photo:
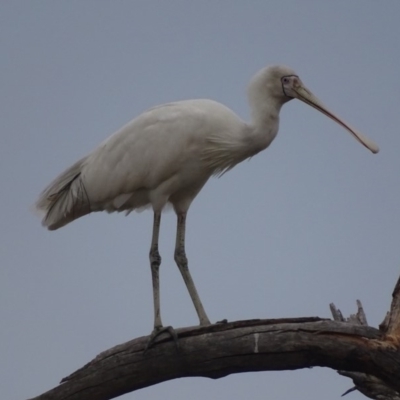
(313, 219)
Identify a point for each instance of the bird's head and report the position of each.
(279, 84)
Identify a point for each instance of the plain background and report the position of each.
(312, 220)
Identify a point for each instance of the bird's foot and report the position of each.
(223, 321)
(157, 332)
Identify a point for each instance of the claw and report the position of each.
(157, 332)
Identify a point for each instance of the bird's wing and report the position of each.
(163, 145)
(144, 153)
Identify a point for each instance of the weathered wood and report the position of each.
(370, 386)
(367, 384)
(219, 350)
(357, 319)
(393, 326)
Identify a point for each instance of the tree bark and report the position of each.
(370, 357)
(369, 385)
(221, 349)
(393, 321)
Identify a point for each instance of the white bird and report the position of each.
(166, 155)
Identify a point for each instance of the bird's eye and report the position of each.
(285, 79)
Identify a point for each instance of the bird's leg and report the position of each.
(155, 261)
(182, 262)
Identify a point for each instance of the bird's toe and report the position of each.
(159, 331)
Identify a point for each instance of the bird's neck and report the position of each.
(264, 125)
(223, 152)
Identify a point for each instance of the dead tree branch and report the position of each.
(370, 357)
(393, 324)
(219, 350)
(367, 384)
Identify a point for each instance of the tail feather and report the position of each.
(65, 199)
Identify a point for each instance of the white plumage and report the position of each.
(167, 154)
(170, 150)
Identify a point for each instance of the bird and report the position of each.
(166, 155)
